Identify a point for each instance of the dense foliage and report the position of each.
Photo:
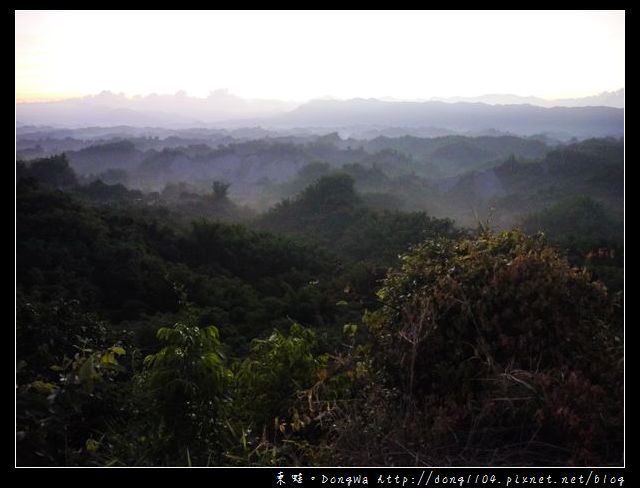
(499, 345)
(180, 328)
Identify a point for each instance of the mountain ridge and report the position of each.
(222, 108)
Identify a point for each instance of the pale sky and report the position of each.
(303, 55)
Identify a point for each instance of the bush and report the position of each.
(504, 350)
(186, 382)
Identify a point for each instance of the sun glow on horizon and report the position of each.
(300, 55)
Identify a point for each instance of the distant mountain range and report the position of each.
(587, 117)
(459, 117)
(178, 110)
(605, 99)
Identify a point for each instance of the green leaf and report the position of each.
(350, 329)
(108, 359)
(87, 374)
(43, 387)
(92, 445)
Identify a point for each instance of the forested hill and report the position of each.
(457, 177)
(183, 327)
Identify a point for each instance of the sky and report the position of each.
(301, 55)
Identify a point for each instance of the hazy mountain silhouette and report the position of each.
(222, 108)
(458, 117)
(605, 99)
(108, 109)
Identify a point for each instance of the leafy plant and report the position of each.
(471, 327)
(186, 381)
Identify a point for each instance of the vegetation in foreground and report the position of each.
(143, 340)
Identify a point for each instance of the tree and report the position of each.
(52, 172)
(497, 341)
(186, 381)
(220, 190)
(275, 370)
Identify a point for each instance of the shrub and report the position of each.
(504, 350)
